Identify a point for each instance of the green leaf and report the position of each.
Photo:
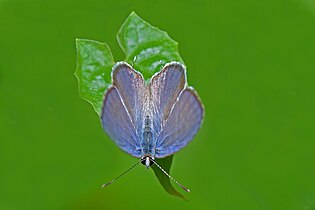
(94, 65)
(146, 47)
(166, 164)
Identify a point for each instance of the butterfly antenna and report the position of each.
(179, 184)
(129, 169)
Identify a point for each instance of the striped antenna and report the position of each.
(179, 184)
(129, 169)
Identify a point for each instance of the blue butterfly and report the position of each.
(151, 120)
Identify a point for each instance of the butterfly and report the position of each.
(154, 119)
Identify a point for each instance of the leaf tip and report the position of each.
(77, 40)
(133, 13)
(133, 16)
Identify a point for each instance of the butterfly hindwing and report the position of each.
(117, 122)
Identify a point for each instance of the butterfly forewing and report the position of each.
(165, 88)
(116, 121)
(130, 85)
(181, 125)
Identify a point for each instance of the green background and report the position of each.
(252, 63)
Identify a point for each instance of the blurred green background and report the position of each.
(252, 63)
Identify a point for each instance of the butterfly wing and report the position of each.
(181, 125)
(117, 122)
(165, 88)
(131, 87)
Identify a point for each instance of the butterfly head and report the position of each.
(147, 161)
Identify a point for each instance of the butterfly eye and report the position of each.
(143, 161)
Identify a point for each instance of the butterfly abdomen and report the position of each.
(147, 142)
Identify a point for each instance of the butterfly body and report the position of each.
(151, 120)
(147, 142)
